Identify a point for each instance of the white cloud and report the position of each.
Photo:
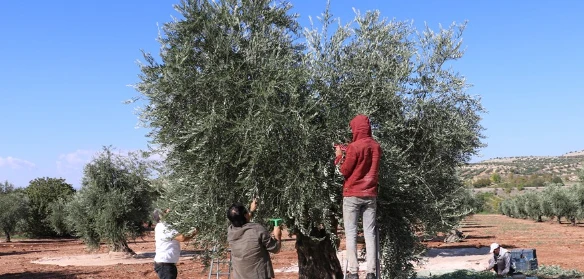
(153, 156)
(74, 161)
(70, 165)
(15, 163)
(157, 156)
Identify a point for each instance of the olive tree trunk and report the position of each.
(7, 235)
(121, 246)
(317, 256)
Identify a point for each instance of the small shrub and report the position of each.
(487, 202)
(496, 178)
(508, 187)
(466, 274)
(481, 183)
(554, 271)
(557, 180)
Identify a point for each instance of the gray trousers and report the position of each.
(353, 208)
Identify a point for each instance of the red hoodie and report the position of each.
(361, 165)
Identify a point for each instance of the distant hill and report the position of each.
(565, 166)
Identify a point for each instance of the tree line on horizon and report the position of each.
(554, 201)
(514, 181)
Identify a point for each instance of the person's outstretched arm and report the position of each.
(272, 244)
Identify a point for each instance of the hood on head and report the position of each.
(360, 127)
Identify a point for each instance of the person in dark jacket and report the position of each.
(251, 244)
(360, 168)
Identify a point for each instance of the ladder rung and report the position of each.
(216, 265)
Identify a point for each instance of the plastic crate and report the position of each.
(523, 259)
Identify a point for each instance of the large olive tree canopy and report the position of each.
(244, 104)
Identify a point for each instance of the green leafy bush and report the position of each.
(482, 182)
(555, 272)
(487, 202)
(466, 274)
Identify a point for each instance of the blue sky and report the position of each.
(66, 67)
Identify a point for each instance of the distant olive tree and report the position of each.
(41, 192)
(6, 187)
(576, 193)
(561, 202)
(13, 209)
(519, 209)
(114, 200)
(57, 216)
(532, 205)
(545, 206)
(505, 207)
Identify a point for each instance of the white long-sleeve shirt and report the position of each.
(167, 248)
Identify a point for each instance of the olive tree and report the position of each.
(114, 200)
(576, 194)
(545, 204)
(57, 216)
(41, 193)
(13, 209)
(560, 202)
(506, 207)
(231, 102)
(521, 206)
(421, 114)
(532, 205)
(242, 108)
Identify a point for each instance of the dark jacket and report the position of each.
(250, 245)
(361, 165)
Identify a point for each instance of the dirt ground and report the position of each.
(556, 245)
(58, 256)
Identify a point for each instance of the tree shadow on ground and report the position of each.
(462, 250)
(479, 237)
(476, 227)
(458, 274)
(457, 252)
(14, 253)
(66, 274)
(42, 241)
(183, 253)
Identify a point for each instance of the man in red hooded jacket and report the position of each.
(360, 167)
